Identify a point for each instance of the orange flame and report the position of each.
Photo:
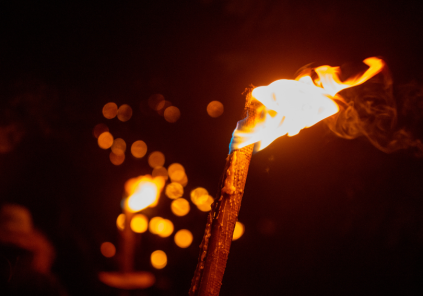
(143, 192)
(289, 106)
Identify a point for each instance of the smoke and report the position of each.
(371, 110)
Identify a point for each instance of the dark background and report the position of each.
(323, 215)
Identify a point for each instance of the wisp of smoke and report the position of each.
(370, 110)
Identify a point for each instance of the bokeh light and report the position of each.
(183, 238)
(139, 149)
(184, 181)
(199, 195)
(176, 172)
(118, 146)
(165, 228)
(99, 129)
(160, 172)
(120, 222)
(164, 106)
(156, 159)
(156, 102)
(124, 113)
(107, 249)
(180, 207)
(105, 140)
(110, 110)
(158, 259)
(154, 224)
(215, 109)
(206, 206)
(116, 159)
(238, 231)
(174, 190)
(139, 223)
(172, 114)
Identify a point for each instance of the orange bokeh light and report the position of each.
(107, 249)
(215, 109)
(99, 129)
(120, 222)
(180, 207)
(139, 223)
(139, 149)
(183, 238)
(174, 190)
(116, 159)
(158, 259)
(118, 146)
(238, 231)
(105, 140)
(124, 112)
(156, 159)
(110, 110)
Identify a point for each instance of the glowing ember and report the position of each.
(143, 192)
(289, 106)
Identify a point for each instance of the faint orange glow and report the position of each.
(174, 190)
(215, 109)
(116, 159)
(108, 249)
(153, 226)
(183, 238)
(143, 191)
(172, 114)
(180, 207)
(160, 172)
(238, 231)
(105, 140)
(99, 129)
(118, 146)
(139, 223)
(156, 159)
(206, 206)
(158, 259)
(292, 105)
(110, 110)
(120, 222)
(124, 112)
(139, 149)
(156, 102)
(199, 195)
(163, 108)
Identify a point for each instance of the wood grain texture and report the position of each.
(217, 239)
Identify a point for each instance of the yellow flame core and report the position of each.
(143, 192)
(289, 106)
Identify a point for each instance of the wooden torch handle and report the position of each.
(214, 248)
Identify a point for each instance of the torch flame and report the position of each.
(289, 106)
(143, 192)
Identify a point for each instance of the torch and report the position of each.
(142, 192)
(284, 107)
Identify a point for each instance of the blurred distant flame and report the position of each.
(143, 192)
(289, 106)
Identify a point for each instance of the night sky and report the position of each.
(323, 215)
